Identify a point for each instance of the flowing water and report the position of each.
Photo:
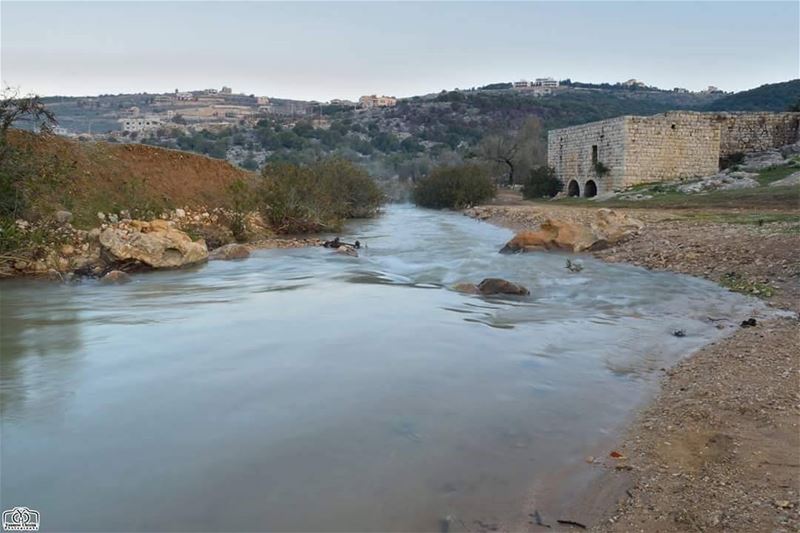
(306, 390)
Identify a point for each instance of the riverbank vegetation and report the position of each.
(541, 183)
(454, 187)
(317, 197)
(53, 190)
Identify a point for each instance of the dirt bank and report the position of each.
(719, 448)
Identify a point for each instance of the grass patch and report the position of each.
(755, 219)
(781, 198)
(738, 283)
(767, 176)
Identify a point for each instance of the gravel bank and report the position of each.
(719, 448)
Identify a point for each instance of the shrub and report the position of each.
(542, 182)
(454, 187)
(601, 169)
(300, 199)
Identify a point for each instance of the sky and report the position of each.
(326, 50)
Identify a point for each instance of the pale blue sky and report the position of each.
(343, 50)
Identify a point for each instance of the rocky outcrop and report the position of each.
(230, 251)
(607, 229)
(792, 180)
(756, 161)
(724, 181)
(154, 244)
(491, 286)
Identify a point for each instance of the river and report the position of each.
(305, 390)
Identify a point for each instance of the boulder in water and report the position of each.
(230, 251)
(491, 286)
(346, 249)
(116, 276)
(467, 288)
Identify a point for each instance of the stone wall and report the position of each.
(569, 152)
(670, 146)
(752, 132)
(673, 145)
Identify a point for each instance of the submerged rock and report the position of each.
(155, 244)
(491, 286)
(230, 251)
(467, 288)
(116, 276)
(607, 228)
(346, 249)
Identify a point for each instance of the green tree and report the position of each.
(454, 187)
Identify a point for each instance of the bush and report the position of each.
(542, 183)
(317, 197)
(454, 187)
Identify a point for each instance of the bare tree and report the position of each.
(30, 108)
(516, 151)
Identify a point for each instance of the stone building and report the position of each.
(620, 152)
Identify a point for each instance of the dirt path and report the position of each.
(719, 448)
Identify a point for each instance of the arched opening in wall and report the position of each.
(590, 189)
(573, 189)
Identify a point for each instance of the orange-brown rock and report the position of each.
(607, 228)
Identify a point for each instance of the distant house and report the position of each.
(226, 90)
(262, 100)
(140, 124)
(546, 82)
(521, 84)
(370, 101)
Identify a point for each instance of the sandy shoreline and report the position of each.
(718, 449)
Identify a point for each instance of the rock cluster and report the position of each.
(723, 181)
(608, 228)
(156, 244)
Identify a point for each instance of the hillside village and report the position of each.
(384, 132)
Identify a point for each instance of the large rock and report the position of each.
(491, 286)
(230, 251)
(157, 245)
(607, 229)
(756, 161)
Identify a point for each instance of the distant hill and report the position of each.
(409, 138)
(770, 97)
